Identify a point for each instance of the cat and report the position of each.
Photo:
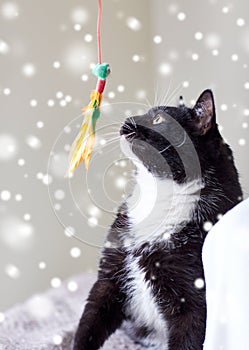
(151, 279)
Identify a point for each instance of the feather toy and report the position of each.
(81, 148)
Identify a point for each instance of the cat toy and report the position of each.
(82, 146)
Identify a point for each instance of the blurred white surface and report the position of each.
(226, 265)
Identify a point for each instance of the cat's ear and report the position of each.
(204, 112)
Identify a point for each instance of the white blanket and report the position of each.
(226, 265)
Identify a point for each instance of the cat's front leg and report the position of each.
(101, 317)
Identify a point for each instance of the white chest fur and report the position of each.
(157, 208)
(143, 308)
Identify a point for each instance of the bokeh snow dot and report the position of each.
(55, 282)
(59, 195)
(157, 39)
(72, 286)
(33, 142)
(181, 16)
(28, 70)
(79, 15)
(75, 252)
(57, 339)
(9, 10)
(133, 23)
(198, 35)
(165, 68)
(4, 47)
(207, 226)
(12, 271)
(199, 283)
(8, 147)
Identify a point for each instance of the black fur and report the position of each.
(170, 267)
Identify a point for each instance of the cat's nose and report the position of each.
(128, 127)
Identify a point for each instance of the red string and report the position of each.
(99, 31)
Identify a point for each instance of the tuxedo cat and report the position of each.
(150, 277)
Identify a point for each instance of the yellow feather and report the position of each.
(81, 148)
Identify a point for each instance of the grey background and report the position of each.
(43, 32)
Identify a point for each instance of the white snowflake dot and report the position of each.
(242, 142)
(6, 91)
(28, 70)
(165, 68)
(88, 38)
(55, 282)
(111, 94)
(84, 77)
(198, 36)
(234, 57)
(246, 85)
(50, 103)
(157, 39)
(42, 265)
(10, 10)
(77, 27)
(21, 162)
(26, 217)
(59, 94)
(207, 226)
(40, 124)
(75, 252)
(92, 221)
(240, 22)
(63, 103)
(4, 47)
(68, 98)
(5, 195)
(181, 16)
(72, 286)
(33, 103)
(136, 58)
(18, 197)
(56, 64)
(199, 283)
(12, 271)
(133, 23)
(57, 339)
(225, 9)
(215, 52)
(185, 84)
(195, 57)
(121, 88)
(223, 107)
(47, 179)
(246, 112)
(59, 195)
(245, 125)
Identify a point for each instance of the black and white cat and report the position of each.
(151, 266)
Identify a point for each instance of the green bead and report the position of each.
(101, 70)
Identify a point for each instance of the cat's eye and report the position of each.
(158, 119)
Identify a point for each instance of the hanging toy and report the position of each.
(81, 148)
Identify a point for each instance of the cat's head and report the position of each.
(179, 142)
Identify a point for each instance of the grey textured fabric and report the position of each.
(48, 321)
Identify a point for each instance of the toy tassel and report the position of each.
(82, 146)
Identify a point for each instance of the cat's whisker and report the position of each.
(184, 140)
(165, 149)
(133, 122)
